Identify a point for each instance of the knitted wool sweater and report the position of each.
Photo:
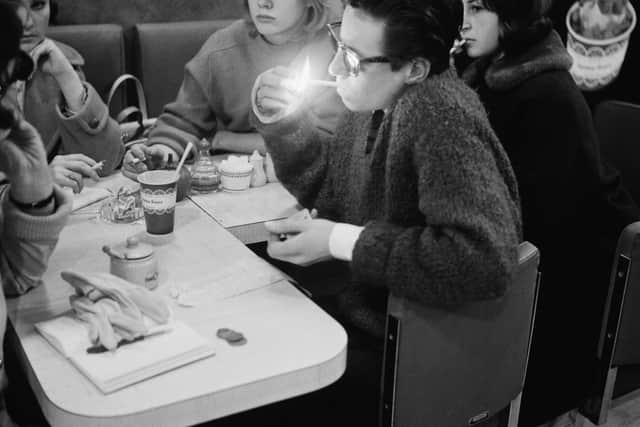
(216, 89)
(26, 242)
(434, 191)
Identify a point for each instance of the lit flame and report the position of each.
(302, 80)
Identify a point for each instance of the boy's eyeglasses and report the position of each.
(351, 60)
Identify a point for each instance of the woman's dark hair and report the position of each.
(414, 29)
(523, 21)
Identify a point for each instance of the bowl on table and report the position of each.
(235, 173)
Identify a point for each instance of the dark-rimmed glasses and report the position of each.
(352, 60)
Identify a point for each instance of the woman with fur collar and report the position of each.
(573, 206)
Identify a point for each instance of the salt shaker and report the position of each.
(258, 178)
(270, 170)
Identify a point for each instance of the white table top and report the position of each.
(244, 213)
(293, 347)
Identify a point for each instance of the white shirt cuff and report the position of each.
(343, 239)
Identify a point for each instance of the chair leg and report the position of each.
(514, 411)
(596, 408)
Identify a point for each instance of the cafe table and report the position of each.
(293, 347)
(243, 213)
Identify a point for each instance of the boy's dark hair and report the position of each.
(523, 21)
(414, 28)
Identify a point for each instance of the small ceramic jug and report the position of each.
(134, 261)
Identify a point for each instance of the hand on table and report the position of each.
(140, 158)
(307, 239)
(70, 170)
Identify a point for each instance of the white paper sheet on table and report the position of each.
(178, 345)
(253, 273)
(88, 196)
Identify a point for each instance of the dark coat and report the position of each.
(573, 209)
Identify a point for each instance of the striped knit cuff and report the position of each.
(36, 228)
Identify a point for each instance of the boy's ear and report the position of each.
(418, 70)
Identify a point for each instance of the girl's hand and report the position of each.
(140, 158)
(70, 170)
(50, 59)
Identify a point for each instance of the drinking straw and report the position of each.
(183, 158)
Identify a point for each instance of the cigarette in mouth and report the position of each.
(457, 46)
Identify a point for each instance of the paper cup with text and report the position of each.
(158, 194)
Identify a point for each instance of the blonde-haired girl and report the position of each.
(214, 99)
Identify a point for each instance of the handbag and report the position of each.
(134, 122)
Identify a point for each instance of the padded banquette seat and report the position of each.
(161, 51)
(103, 49)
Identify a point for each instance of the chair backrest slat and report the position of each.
(618, 127)
(161, 52)
(103, 48)
(452, 365)
(627, 348)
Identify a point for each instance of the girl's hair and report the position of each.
(523, 21)
(318, 15)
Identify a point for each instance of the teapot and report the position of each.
(133, 261)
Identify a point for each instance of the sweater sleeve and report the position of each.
(28, 241)
(300, 154)
(190, 116)
(466, 249)
(92, 131)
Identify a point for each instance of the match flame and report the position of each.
(302, 80)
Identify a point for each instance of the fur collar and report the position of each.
(546, 54)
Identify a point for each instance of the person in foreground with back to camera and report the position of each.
(66, 110)
(573, 206)
(414, 189)
(214, 100)
(33, 210)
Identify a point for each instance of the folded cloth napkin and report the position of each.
(114, 308)
(88, 196)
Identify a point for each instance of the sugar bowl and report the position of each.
(134, 261)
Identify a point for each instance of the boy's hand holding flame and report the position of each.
(279, 92)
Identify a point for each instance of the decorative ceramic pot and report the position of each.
(134, 261)
(596, 62)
